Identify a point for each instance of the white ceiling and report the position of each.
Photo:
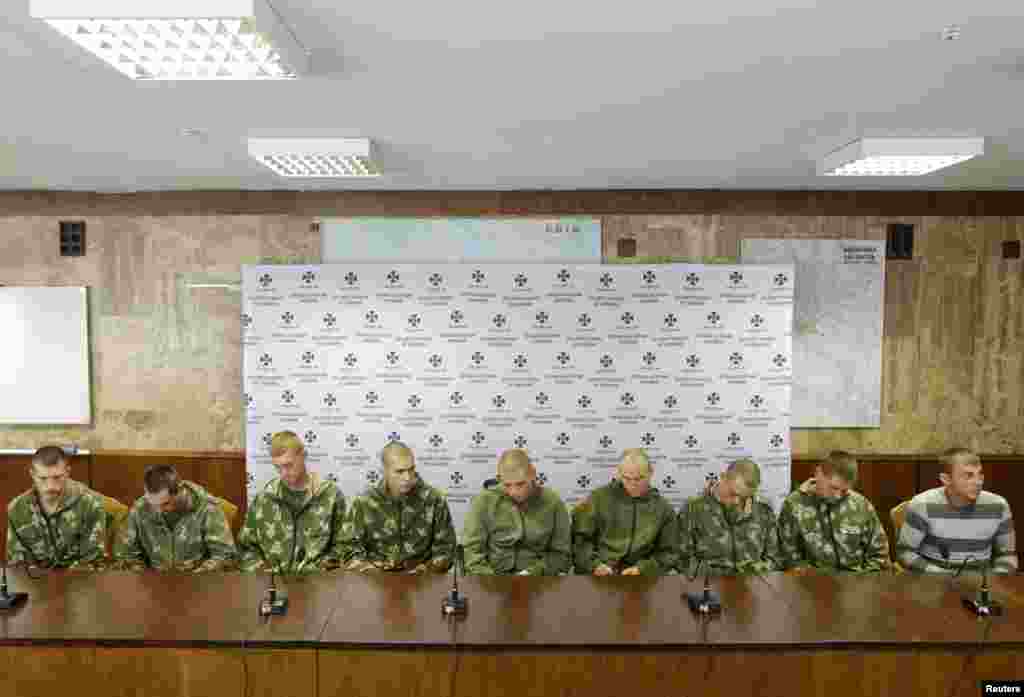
(541, 94)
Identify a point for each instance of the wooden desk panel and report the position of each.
(188, 635)
(312, 602)
(393, 610)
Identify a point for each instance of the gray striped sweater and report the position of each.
(934, 528)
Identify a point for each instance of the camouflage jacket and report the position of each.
(503, 537)
(728, 539)
(274, 538)
(200, 541)
(841, 536)
(71, 537)
(613, 528)
(399, 533)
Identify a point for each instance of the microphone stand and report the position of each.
(707, 601)
(982, 604)
(273, 604)
(9, 601)
(454, 603)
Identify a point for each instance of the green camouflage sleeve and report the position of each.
(250, 555)
(768, 561)
(585, 533)
(666, 549)
(475, 539)
(341, 550)
(790, 555)
(876, 557)
(557, 558)
(687, 542)
(219, 543)
(93, 554)
(770, 554)
(443, 545)
(353, 534)
(128, 552)
(16, 551)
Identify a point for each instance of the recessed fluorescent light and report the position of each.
(899, 157)
(181, 39)
(311, 158)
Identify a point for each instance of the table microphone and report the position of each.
(274, 603)
(9, 601)
(982, 604)
(454, 603)
(705, 602)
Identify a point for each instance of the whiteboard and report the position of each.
(837, 327)
(567, 240)
(44, 356)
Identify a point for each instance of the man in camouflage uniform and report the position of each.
(728, 528)
(401, 524)
(826, 526)
(294, 525)
(517, 526)
(626, 527)
(176, 526)
(59, 523)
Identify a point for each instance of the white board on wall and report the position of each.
(837, 327)
(44, 356)
(420, 240)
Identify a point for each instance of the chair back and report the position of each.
(117, 514)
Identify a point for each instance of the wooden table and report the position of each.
(347, 634)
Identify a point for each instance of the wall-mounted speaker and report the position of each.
(899, 241)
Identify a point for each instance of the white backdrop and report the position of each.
(574, 363)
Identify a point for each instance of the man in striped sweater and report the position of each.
(958, 522)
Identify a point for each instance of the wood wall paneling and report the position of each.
(513, 203)
(44, 671)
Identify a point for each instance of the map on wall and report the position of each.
(453, 240)
(837, 327)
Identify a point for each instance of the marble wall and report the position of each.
(164, 320)
(166, 354)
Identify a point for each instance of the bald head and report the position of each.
(399, 468)
(394, 451)
(516, 473)
(635, 472)
(514, 465)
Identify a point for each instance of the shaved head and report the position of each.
(514, 465)
(394, 452)
(517, 474)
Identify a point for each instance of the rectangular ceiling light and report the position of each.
(181, 39)
(899, 157)
(311, 158)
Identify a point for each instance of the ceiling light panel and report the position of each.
(316, 158)
(215, 40)
(900, 157)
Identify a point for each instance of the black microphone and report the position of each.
(454, 603)
(275, 603)
(706, 601)
(982, 604)
(9, 601)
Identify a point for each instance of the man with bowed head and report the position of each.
(294, 525)
(517, 526)
(827, 526)
(728, 528)
(176, 526)
(626, 527)
(59, 522)
(401, 524)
